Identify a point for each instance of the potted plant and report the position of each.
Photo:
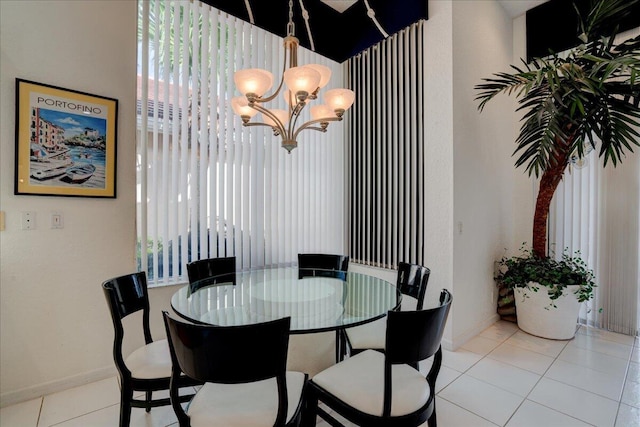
(573, 103)
(546, 283)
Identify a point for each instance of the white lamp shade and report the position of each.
(282, 115)
(339, 99)
(302, 79)
(253, 80)
(321, 112)
(325, 74)
(240, 106)
(289, 98)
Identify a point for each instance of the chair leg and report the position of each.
(309, 410)
(432, 422)
(148, 400)
(126, 394)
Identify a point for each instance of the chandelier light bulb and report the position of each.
(321, 112)
(339, 100)
(302, 80)
(325, 74)
(240, 106)
(253, 81)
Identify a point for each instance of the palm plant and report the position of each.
(573, 102)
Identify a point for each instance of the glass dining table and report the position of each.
(316, 300)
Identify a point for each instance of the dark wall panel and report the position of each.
(553, 26)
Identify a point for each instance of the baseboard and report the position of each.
(460, 340)
(39, 390)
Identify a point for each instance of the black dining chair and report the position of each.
(244, 371)
(412, 280)
(211, 271)
(386, 389)
(325, 265)
(148, 368)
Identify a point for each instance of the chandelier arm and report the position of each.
(269, 114)
(310, 123)
(295, 115)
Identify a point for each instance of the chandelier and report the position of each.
(302, 86)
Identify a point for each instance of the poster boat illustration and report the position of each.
(80, 172)
(50, 172)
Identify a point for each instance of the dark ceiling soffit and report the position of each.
(337, 36)
(553, 26)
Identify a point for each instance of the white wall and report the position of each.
(55, 329)
(484, 175)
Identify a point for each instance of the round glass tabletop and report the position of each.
(316, 300)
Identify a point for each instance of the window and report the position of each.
(207, 186)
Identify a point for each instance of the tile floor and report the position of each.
(502, 377)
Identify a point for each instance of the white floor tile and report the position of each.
(78, 401)
(522, 358)
(450, 415)
(445, 376)
(483, 399)
(594, 360)
(631, 394)
(606, 335)
(108, 417)
(459, 360)
(628, 416)
(24, 414)
(481, 345)
(588, 407)
(505, 376)
(531, 414)
(551, 348)
(634, 372)
(500, 330)
(587, 379)
(483, 384)
(611, 348)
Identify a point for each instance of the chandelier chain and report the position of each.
(290, 25)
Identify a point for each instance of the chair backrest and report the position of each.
(326, 265)
(412, 280)
(231, 354)
(211, 271)
(413, 336)
(126, 295)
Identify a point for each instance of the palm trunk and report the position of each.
(548, 184)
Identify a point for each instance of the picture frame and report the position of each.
(65, 142)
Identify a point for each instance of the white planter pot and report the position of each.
(537, 317)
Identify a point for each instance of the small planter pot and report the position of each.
(538, 317)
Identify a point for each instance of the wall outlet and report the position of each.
(28, 220)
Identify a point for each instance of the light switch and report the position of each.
(57, 220)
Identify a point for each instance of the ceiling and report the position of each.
(340, 29)
(518, 7)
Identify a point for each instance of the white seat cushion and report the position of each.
(151, 361)
(359, 382)
(252, 404)
(373, 334)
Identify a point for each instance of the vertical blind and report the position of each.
(207, 186)
(386, 152)
(595, 212)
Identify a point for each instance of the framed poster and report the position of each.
(65, 142)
